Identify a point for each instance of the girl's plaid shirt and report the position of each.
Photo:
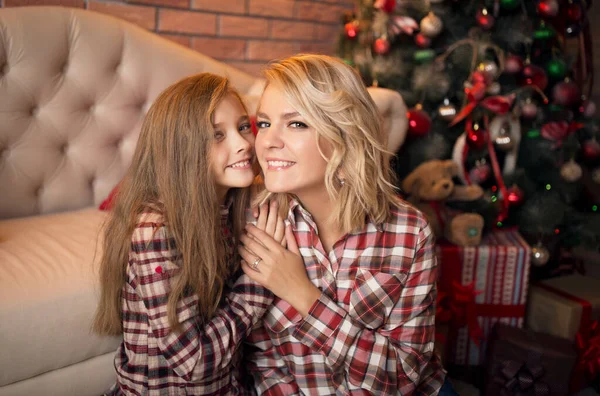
(372, 329)
(202, 358)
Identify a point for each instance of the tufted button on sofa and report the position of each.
(74, 88)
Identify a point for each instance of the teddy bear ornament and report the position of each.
(430, 186)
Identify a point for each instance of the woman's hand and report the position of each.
(269, 221)
(278, 269)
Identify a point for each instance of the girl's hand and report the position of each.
(270, 221)
(279, 269)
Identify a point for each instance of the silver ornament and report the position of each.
(504, 141)
(539, 255)
(431, 25)
(494, 88)
(589, 109)
(447, 111)
(490, 68)
(571, 171)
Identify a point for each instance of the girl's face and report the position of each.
(232, 153)
(286, 147)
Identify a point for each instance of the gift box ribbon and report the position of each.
(518, 378)
(458, 300)
(459, 307)
(588, 346)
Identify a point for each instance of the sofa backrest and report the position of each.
(74, 88)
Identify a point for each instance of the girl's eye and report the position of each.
(219, 136)
(298, 124)
(245, 127)
(262, 124)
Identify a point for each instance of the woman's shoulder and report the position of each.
(403, 213)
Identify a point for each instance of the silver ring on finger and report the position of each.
(255, 264)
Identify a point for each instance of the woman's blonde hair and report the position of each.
(332, 98)
(171, 172)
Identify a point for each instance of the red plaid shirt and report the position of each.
(372, 329)
(201, 359)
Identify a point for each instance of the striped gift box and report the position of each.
(498, 270)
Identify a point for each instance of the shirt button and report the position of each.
(329, 277)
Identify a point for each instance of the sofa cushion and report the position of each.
(49, 293)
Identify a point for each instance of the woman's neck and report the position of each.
(320, 206)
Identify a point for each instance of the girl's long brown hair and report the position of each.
(171, 171)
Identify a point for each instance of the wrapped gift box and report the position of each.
(563, 306)
(523, 362)
(480, 286)
(569, 307)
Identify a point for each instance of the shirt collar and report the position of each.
(225, 208)
(296, 207)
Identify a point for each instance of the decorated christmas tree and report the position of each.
(501, 87)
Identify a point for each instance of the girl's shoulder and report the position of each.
(151, 215)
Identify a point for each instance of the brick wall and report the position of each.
(594, 17)
(243, 33)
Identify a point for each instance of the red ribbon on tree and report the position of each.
(558, 131)
(475, 95)
(460, 308)
(495, 167)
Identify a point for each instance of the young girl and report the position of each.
(356, 289)
(169, 247)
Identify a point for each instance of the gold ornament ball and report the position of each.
(431, 26)
(539, 255)
(596, 175)
(571, 171)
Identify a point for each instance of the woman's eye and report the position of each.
(298, 124)
(262, 124)
(245, 127)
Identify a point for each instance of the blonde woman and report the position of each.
(168, 275)
(355, 305)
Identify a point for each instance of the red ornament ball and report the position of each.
(529, 110)
(381, 46)
(480, 173)
(476, 138)
(534, 75)
(386, 5)
(485, 19)
(422, 41)
(566, 93)
(419, 122)
(513, 64)
(515, 196)
(548, 8)
(351, 29)
(591, 149)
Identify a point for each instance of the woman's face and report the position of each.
(232, 151)
(286, 147)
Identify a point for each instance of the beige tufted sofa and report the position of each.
(74, 87)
